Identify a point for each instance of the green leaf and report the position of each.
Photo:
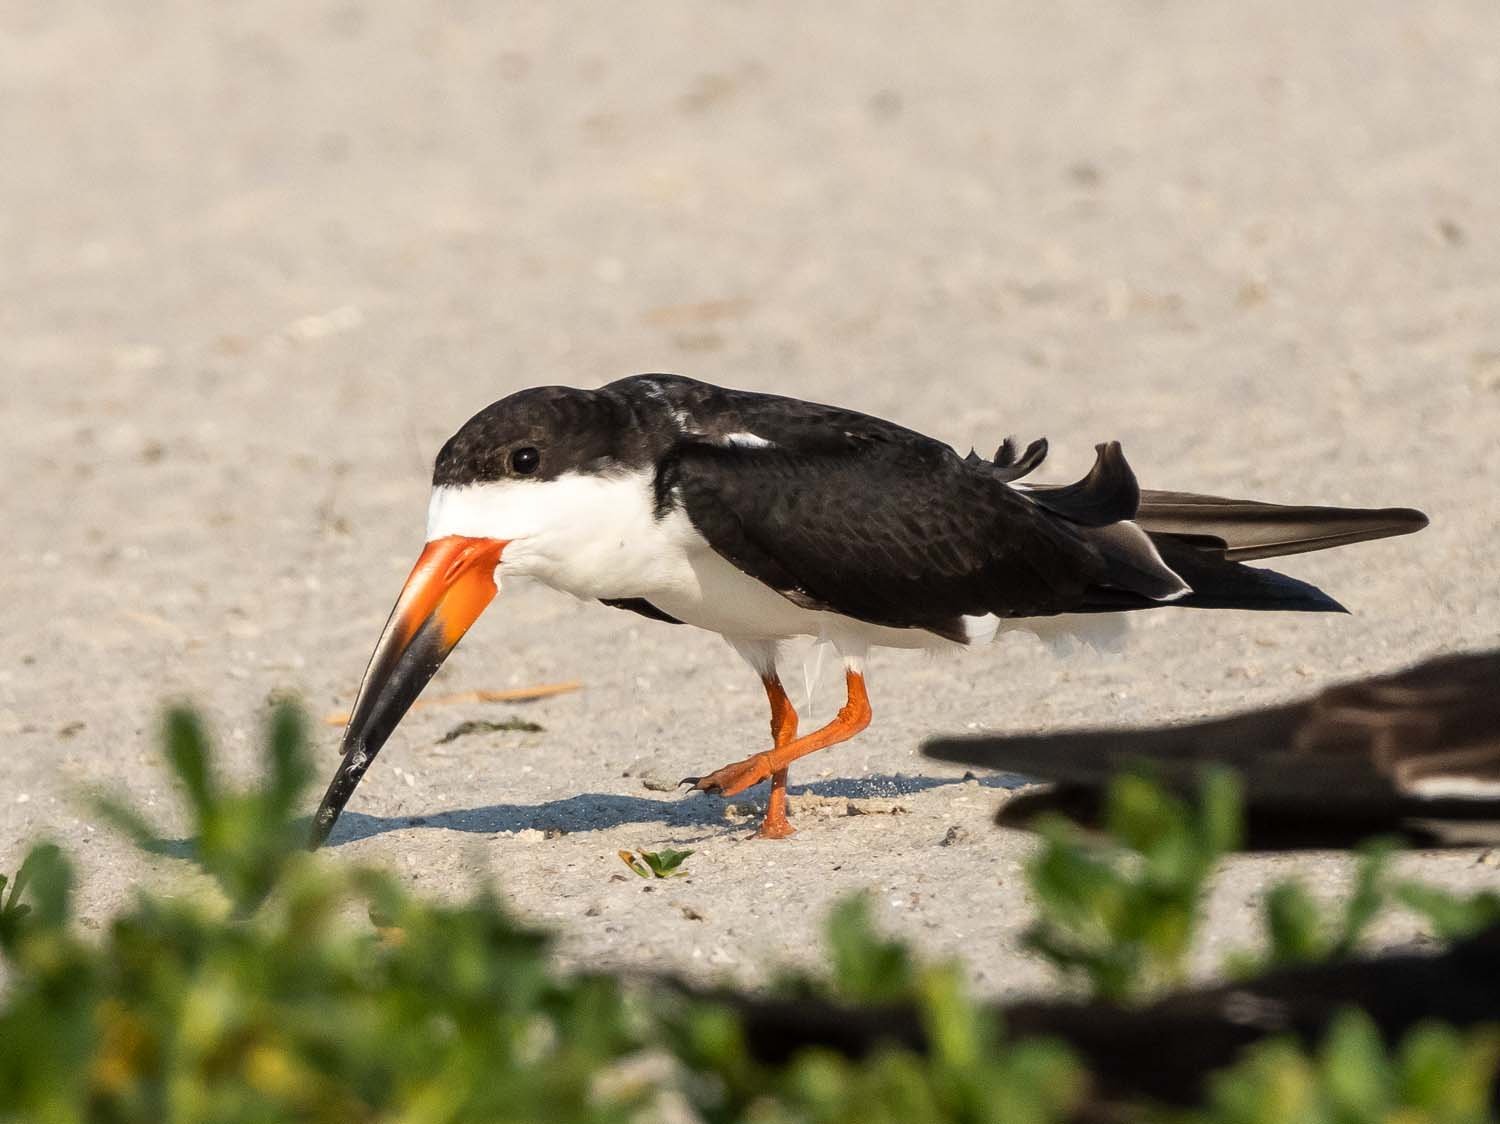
(1353, 1063)
(1273, 1083)
(1294, 924)
(664, 864)
(865, 966)
(1222, 815)
(1140, 813)
(46, 878)
(1452, 916)
(1448, 1073)
(290, 765)
(959, 1033)
(1368, 897)
(654, 864)
(187, 753)
(1122, 913)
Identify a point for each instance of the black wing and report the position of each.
(893, 529)
(639, 605)
(843, 511)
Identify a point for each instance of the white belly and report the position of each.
(716, 595)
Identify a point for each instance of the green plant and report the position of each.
(244, 839)
(968, 1074)
(866, 967)
(282, 1009)
(1122, 913)
(1300, 931)
(1434, 1076)
(1451, 915)
(183, 1014)
(43, 872)
(286, 1006)
(1296, 926)
(655, 864)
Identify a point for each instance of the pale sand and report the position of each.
(255, 267)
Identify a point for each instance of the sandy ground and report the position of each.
(257, 261)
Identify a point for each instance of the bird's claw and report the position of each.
(732, 780)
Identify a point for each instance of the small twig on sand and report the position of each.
(512, 694)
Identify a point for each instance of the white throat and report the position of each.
(591, 535)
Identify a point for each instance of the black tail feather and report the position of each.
(1248, 529)
(1219, 584)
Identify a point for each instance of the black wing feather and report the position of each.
(844, 511)
(639, 605)
(898, 534)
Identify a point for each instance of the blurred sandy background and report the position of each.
(258, 259)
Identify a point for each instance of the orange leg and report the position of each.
(851, 719)
(783, 732)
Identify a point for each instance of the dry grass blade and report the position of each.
(510, 694)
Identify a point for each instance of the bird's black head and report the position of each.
(527, 482)
(538, 434)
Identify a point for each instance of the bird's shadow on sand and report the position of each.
(598, 811)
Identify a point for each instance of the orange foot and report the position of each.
(774, 827)
(732, 780)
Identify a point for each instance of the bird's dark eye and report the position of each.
(523, 462)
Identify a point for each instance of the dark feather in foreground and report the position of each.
(1165, 1050)
(1419, 746)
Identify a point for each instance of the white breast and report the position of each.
(591, 535)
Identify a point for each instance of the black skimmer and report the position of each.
(764, 518)
(1416, 751)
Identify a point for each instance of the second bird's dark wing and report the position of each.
(1423, 743)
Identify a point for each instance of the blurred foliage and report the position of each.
(1297, 930)
(274, 1001)
(1451, 916)
(1121, 912)
(967, 1074)
(243, 839)
(867, 968)
(1435, 1076)
(1300, 931)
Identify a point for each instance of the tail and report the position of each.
(1239, 530)
(1184, 549)
(1217, 583)
(1206, 539)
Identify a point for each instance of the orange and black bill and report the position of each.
(449, 587)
